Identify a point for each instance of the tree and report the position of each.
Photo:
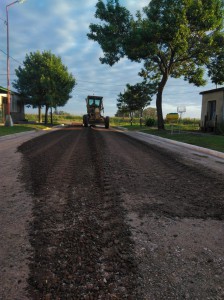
(122, 110)
(44, 81)
(173, 39)
(216, 62)
(136, 97)
(149, 112)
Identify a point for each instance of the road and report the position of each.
(110, 217)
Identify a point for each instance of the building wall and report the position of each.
(16, 104)
(3, 98)
(16, 108)
(213, 96)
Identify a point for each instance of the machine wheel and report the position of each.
(107, 122)
(85, 120)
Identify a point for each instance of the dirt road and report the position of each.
(110, 217)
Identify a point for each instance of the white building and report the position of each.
(16, 106)
(212, 111)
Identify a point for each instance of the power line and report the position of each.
(166, 94)
(3, 20)
(100, 83)
(11, 57)
(103, 83)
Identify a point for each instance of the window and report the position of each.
(95, 102)
(91, 102)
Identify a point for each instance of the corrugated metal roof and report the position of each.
(4, 90)
(212, 91)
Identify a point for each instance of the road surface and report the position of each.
(100, 215)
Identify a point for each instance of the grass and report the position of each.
(210, 141)
(20, 128)
(215, 142)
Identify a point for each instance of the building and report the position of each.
(16, 106)
(212, 111)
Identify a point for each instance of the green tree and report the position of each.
(149, 112)
(174, 38)
(44, 81)
(122, 110)
(216, 62)
(135, 98)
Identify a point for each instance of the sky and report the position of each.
(61, 26)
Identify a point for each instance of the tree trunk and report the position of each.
(46, 114)
(159, 111)
(39, 114)
(159, 98)
(141, 116)
(131, 115)
(51, 117)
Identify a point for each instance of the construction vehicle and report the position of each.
(94, 106)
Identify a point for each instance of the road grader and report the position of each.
(94, 106)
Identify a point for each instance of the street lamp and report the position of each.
(8, 119)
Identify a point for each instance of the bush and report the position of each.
(188, 121)
(150, 122)
(220, 128)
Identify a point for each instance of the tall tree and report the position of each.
(149, 112)
(174, 38)
(216, 62)
(136, 97)
(44, 81)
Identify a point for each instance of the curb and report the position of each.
(12, 136)
(38, 131)
(189, 146)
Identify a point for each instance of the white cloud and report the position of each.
(61, 26)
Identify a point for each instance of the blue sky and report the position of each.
(61, 26)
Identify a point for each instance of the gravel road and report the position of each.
(96, 214)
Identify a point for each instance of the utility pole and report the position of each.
(8, 119)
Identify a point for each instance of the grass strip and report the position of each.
(197, 138)
(20, 128)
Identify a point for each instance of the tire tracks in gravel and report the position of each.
(175, 212)
(170, 187)
(95, 188)
(81, 243)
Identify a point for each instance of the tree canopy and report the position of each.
(174, 38)
(44, 80)
(216, 63)
(135, 97)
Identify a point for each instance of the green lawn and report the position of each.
(210, 141)
(19, 128)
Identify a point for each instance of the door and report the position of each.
(211, 110)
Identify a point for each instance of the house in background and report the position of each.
(16, 106)
(212, 111)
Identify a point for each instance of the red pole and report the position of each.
(8, 121)
(8, 67)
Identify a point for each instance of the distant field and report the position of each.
(57, 119)
(188, 124)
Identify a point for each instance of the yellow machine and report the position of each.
(172, 117)
(94, 106)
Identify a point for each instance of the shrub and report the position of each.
(220, 128)
(150, 122)
(188, 121)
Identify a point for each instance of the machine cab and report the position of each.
(94, 102)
